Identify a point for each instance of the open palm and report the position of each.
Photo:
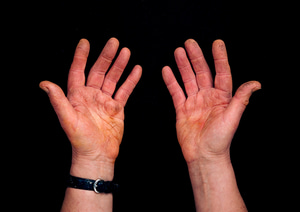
(209, 116)
(92, 119)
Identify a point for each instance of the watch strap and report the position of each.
(99, 185)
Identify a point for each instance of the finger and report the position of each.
(97, 72)
(76, 74)
(186, 71)
(61, 105)
(203, 74)
(126, 89)
(114, 74)
(223, 79)
(239, 102)
(173, 87)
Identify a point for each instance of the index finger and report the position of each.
(223, 79)
(76, 74)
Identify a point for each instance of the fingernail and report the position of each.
(45, 89)
(256, 89)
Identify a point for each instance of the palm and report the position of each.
(203, 115)
(91, 117)
(99, 122)
(208, 117)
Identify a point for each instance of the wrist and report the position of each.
(214, 185)
(209, 163)
(103, 169)
(211, 157)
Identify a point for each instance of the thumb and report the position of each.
(239, 102)
(61, 105)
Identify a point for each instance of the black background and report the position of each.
(150, 167)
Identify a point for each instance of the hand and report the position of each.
(92, 119)
(207, 119)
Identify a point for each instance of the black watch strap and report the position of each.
(99, 186)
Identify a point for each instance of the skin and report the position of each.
(208, 117)
(206, 120)
(93, 119)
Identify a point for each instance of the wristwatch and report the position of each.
(99, 185)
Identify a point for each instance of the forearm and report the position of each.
(214, 186)
(84, 200)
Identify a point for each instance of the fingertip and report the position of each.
(240, 101)
(219, 45)
(82, 48)
(50, 88)
(219, 51)
(257, 86)
(245, 91)
(83, 40)
(168, 75)
(138, 69)
(113, 41)
(83, 43)
(179, 50)
(166, 68)
(126, 50)
(111, 48)
(135, 74)
(190, 41)
(191, 45)
(165, 71)
(219, 42)
(251, 86)
(43, 86)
